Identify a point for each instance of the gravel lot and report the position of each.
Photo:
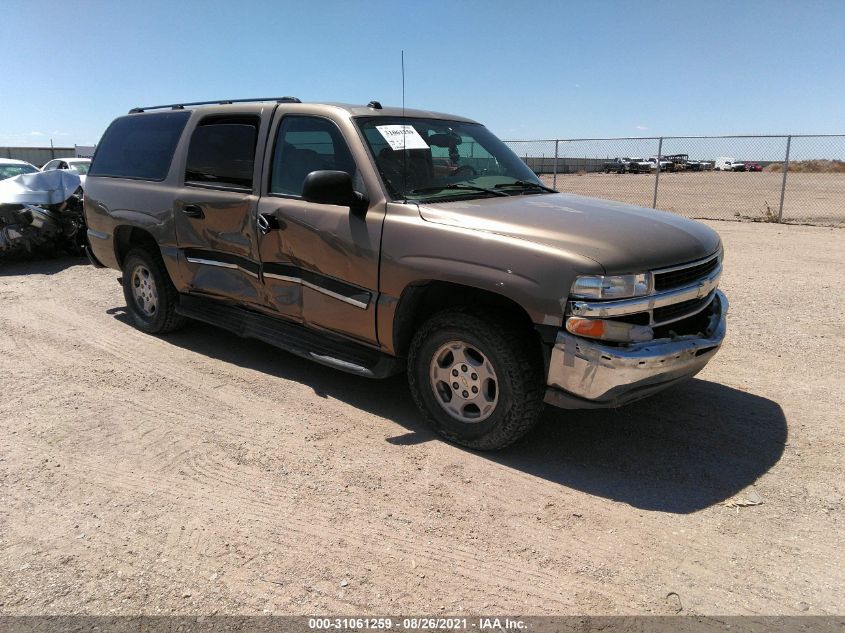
(201, 473)
(810, 198)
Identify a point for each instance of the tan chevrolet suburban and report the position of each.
(380, 240)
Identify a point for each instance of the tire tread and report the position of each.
(512, 343)
(168, 295)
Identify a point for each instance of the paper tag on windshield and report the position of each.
(402, 137)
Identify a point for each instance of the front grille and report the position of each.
(638, 318)
(666, 313)
(678, 309)
(684, 276)
(695, 325)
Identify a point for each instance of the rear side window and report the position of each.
(222, 152)
(139, 146)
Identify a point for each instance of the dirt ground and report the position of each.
(810, 198)
(201, 473)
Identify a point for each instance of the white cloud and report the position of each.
(35, 133)
(577, 85)
(57, 133)
(641, 127)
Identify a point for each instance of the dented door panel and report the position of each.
(323, 261)
(218, 247)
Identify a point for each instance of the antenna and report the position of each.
(404, 132)
(403, 85)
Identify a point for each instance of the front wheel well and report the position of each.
(128, 237)
(422, 300)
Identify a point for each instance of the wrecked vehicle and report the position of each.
(11, 167)
(335, 232)
(41, 214)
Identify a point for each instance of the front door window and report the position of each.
(305, 144)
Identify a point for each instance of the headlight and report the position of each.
(611, 287)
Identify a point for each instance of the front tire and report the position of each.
(477, 380)
(151, 297)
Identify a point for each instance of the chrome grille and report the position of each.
(680, 310)
(683, 275)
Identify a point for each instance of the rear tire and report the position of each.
(497, 368)
(151, 297)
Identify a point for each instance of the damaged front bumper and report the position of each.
(586, 374)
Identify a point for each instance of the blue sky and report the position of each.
(526, 69)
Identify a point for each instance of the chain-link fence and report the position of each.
(715, 177)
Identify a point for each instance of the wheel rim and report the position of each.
(464, 382)
(144, 290)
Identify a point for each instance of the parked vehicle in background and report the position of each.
(627, 165)
(41, 212)
(637, 165)
(10, 167)
(728, 163)
(78, 166)
(665, 165)
(705, 165)
(324, 230)
(616, 166)
(753, 167)
(679, 161)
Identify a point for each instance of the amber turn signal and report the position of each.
(609, 330)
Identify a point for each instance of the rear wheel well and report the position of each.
(129, 237)
(422, 300)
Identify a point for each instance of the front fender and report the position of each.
(535, 276)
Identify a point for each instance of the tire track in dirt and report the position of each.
(306, 536)
(251, 449)
(156, 413)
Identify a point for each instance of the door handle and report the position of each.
(193, 211)
(268, 222)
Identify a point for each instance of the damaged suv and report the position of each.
(381, 240)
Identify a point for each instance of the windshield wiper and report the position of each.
(457, 185)
(525, 184)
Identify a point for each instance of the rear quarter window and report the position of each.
(139, 146)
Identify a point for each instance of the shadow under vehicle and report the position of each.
(683, 450)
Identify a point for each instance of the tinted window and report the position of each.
(222, 152)
(306, 144)
(139, 146)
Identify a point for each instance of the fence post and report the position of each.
(657, 176)
(554, 177)
(783, 183)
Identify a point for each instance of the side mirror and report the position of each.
(333, 187)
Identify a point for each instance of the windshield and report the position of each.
(80, 168)
(434, 159)
(8, 171)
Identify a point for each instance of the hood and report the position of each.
(621, 237)
(42, 187)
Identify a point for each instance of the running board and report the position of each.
(319, 346)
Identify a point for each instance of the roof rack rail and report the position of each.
(182, 106)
